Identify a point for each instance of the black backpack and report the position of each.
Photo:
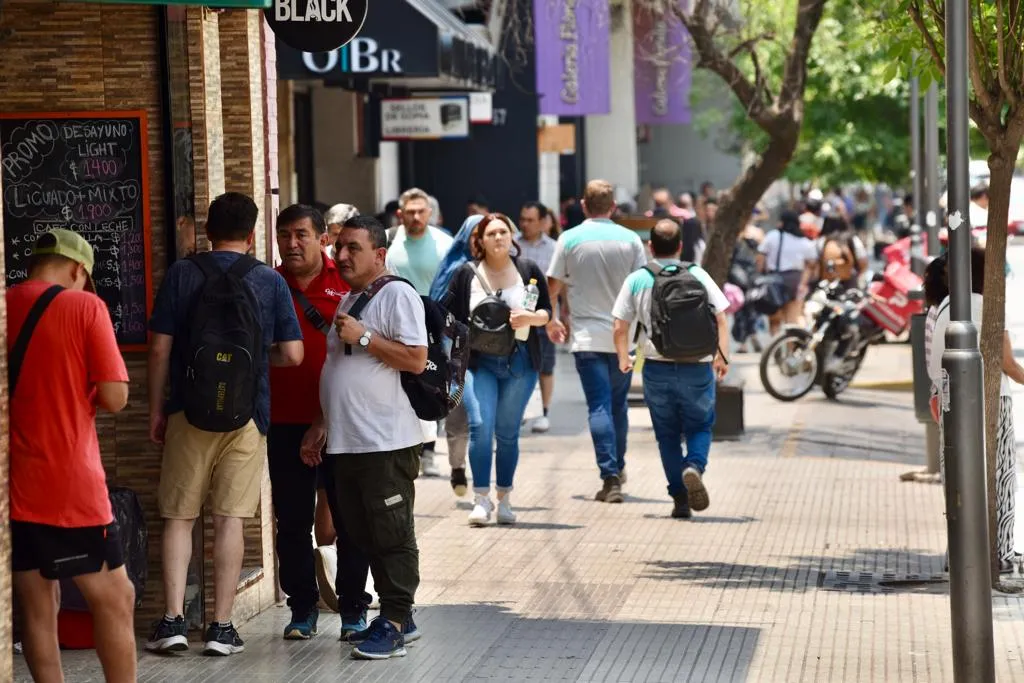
(438, 389)
(683, 326)
(490, 322)
(225, 348)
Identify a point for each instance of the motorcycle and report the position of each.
(830, 351)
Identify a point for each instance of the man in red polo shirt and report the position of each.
(317, 288)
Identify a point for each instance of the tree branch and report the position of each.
(795, 72)
(914, 9)
(698, 25)
(981, 90)
(749, 44)
(1004, 81)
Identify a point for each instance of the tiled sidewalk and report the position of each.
(764, 586)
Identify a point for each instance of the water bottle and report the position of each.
(529, 303)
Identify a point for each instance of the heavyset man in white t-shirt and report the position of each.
(370, 427)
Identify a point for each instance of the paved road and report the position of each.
(796, 572)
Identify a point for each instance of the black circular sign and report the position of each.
(316, 25)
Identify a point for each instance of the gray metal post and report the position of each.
(931, 168)
(915, 146)
(916, 176)
(932, 446)
(963, 405)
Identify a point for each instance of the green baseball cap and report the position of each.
(61, 242)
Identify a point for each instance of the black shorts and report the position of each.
(63, 553)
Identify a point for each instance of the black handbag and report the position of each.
(769, 292)
(490, 322)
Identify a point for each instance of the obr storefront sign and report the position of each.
(316, 25)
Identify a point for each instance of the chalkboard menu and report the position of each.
(86, 172)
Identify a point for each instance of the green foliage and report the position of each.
(856, 115)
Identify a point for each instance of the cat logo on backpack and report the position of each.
(225, 348)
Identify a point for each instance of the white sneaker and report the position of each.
(541, 424)
(505, 514)
(326, 557)
(481, 514)
(428, 467)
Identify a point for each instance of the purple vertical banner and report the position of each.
(571, 38)
(661, 64)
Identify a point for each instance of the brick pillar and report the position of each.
(6, 641)
(207, 120)
(270, 117)
(241, 74)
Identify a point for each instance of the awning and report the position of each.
(404, 44)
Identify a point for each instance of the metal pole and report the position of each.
(931, 167)
(963, 406)
(915, 176)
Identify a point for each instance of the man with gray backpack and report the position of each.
(680, 313)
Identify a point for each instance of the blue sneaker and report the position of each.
(409, 630)
(353, 625)
(302, 627)
(383, 641)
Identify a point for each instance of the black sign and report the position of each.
(84, 172)
(316, 25)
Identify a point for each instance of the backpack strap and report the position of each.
(309, 310)
(25, 334)
(369, 293)
(480, 276)
(205, 261)
(778, 254)
(242, 265)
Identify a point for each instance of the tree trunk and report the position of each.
(1001, 163)
(737, 203)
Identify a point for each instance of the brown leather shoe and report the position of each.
(611, 492)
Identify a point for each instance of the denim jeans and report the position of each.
(503, 385)
(681, 398)
(606, 390)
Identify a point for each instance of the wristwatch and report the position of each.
(364, 341)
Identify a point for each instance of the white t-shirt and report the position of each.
(934, 351)
(365, 408)
(513, 296)
(796, 251)
(634, 302)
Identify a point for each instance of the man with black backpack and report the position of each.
(371, 426)
(220, 320)
(681, 314)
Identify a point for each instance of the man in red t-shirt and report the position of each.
(62, 524)
(317, 289)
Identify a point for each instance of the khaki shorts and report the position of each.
(226, 466)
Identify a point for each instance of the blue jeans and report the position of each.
(502, 385)
(681, 398)
(606, 390)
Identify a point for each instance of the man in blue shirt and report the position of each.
(226, 465)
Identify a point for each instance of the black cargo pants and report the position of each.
(375, 494)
